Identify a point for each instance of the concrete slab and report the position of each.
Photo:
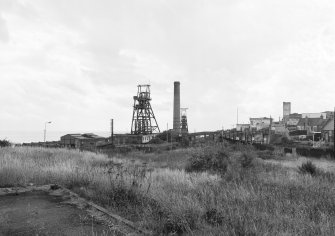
(39, 213)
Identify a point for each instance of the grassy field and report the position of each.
(215, 190)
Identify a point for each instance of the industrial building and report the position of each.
(260, 123)
(123, 139)
(87, 141)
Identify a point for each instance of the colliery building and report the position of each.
(86, 141)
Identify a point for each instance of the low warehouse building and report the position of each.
(86, 141)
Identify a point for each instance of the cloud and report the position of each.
(79, 62)
(4, 34)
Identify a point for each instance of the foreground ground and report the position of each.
(37, 213)
(215, 190)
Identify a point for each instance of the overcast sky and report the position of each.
(78, 62)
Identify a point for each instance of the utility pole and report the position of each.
(167, 132)
(270, 130)
(112, 131)
(45, 130)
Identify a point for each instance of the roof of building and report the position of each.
(84, 136)
(328, 125)
(294, 115)
(311, 122)
(260, 118)
(91, 135)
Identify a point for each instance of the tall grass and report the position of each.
(243, 196)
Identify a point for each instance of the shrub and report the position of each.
(302, 151)
(286, 140)
(156, 140)
(208, 159)
(247, 160)
(265, 155)
(263, 147)
(180, 224)
(287, 150)
(308, 168)
(5, 143)
(315, 152)
(214, 217)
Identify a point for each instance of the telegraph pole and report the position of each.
(45, 130)
(112, 131)
(270, 130)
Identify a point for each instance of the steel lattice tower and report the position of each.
(183, 123)
(144, 121)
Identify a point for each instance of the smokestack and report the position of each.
(286, 111)
(176, 107)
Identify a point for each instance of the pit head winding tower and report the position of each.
(144, 121)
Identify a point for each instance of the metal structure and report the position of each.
(144, 121)
(183, 123)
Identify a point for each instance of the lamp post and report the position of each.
(45, 129)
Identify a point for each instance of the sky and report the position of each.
(77, 63)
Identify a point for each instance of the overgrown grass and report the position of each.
(230, 192)
(172, 159)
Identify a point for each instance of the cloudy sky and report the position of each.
(78, 62)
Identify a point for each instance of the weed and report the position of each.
(308, 168)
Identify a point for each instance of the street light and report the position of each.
(45, 129)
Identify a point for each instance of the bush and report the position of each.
(303, 151)
(265, 155)
(247, 160)
(315, 152)
(156, 140)
(263, 147)
(214, 217)
(208, 160)
(286, 140)
(5, 143)
(308, 168)
(288, 150)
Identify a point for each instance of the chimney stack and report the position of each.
(176, 107)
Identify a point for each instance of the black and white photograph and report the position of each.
(167, 117)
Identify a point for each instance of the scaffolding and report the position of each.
(144, 121)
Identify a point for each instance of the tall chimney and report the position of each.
(286, 111)
(176, 107)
